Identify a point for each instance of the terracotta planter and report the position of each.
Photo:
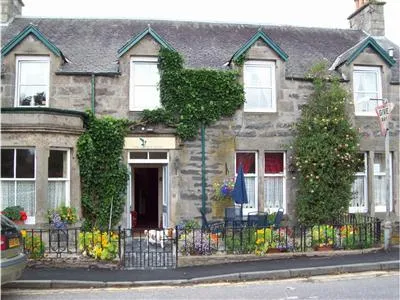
(323, 248)
(276, 250)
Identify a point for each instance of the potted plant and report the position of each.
(16, 214)
(222, 196)
(63, 214)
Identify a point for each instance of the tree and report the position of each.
(325, 152)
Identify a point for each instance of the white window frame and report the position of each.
(246, 208)
(369, 69)
(276, 175)
(132, 101)
(382, 208)
(19, 61)
(267, 65)
(66, 179)
(364, 176)
(31, 218)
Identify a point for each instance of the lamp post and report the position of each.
(383, 112)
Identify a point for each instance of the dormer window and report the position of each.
(32, 81)
(367, 88)
(259, 86)
(144, 79)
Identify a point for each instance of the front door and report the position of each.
(145, 196)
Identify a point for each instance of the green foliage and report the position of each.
(326, 152)
(99, 245)
(103, 175)
(66, 214)
(33, 245)
(191, 97)
(13, 212)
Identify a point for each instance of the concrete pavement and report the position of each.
(283, 268)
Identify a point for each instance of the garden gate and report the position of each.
(141, 251)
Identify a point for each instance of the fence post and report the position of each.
(176, 245)
(119, 242)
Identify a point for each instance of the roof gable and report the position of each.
(30, 29)
(371, 43)
(136, 39)
(260, 35)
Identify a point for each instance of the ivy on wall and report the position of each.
(326, 152)
(191, 97)
(103, 175)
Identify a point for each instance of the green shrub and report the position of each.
(99, 245)
(33, 244)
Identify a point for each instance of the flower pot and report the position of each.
(19, 222)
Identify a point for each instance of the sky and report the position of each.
(308, 13)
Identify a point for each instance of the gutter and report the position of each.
(93, 90)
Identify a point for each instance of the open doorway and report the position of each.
(146, 195)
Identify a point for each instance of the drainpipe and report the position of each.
(203, 170)
(93, 93)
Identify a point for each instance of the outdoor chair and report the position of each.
(213, 226)
(257, 219)
(233, 217)
(278, 218)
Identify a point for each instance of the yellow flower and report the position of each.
(23, 233)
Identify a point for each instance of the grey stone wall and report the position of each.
(369, 18)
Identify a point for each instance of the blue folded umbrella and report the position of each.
(239, 193)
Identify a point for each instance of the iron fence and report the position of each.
(160, 248)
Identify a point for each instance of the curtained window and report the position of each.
(259, 86)
(58, 173)
(248, 162)
(274, 181)
(359, 188)
(18, 180)
(379, 184)
(367, 85)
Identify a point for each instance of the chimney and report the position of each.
(10, 9)
(369, 16)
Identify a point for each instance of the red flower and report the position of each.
(23, 215)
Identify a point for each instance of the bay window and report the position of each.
(359, 189)
(18, 180)
(58, 178)
(248, 160)
(379, 184)
(274, 181)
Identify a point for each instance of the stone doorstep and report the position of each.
(79, 261)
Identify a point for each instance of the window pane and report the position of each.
(366, 81)
(257, 76)
(138, 155)
(361, 163)
(380, 190)
(34, 72)
(158, 155)
(57, 164)
(250, 183)
(273, 163)
(146, 97)
(26, 196)
(7, 163)
(25, 163)
(247, 160)
(379, 163)
(273, 191)
(146, 73)
(37, 93)
(7, 194)
(358, 192)
(258, 98)
(56, 193)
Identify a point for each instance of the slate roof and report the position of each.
(91, 45)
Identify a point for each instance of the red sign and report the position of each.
(383, 112)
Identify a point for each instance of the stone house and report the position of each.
(52, 70)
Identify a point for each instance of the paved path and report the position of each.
(304, 266)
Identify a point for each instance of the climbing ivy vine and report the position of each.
(103, 175)
(191, 97)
